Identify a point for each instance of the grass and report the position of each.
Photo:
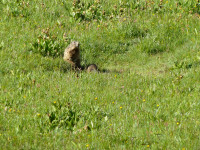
(145, 97)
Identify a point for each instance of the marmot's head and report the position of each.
(92, 68)
(74, 45)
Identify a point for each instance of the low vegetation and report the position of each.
(146, 95)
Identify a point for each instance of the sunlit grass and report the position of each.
(146, 95)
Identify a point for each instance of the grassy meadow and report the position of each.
(145, 96)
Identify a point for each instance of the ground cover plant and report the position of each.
(146, 95)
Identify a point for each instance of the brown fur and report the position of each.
(72, 55)
(92, 68)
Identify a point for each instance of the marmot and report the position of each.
(72, 55)
(92, 68)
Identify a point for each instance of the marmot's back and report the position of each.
(92, 68)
